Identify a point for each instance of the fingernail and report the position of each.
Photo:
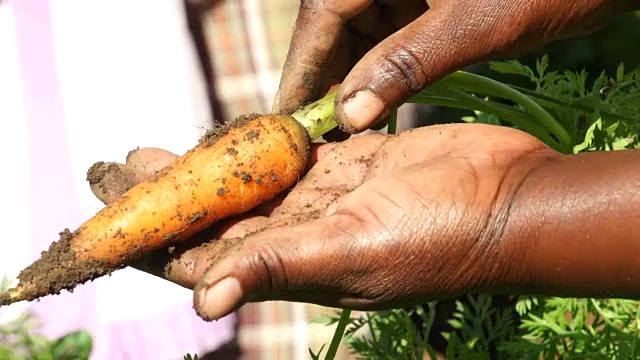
(331, 209)
(216, 301)
(362, 109)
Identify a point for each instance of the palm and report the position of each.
(422, 199)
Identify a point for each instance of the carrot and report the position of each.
(231, 170)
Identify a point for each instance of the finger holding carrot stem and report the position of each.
(231, 170)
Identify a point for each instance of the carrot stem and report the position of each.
(317, 117)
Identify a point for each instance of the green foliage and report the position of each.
(600, 113)
(390, 334)
(579, 329)
(393, 335)
(480, 325)
(19, 341)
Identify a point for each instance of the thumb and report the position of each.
(439, 42)
(276, 264)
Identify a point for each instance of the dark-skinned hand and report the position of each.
(378, 221)
(384, 51)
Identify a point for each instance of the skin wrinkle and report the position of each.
(357, 267)
(398, 163)
(499, 216)
(277, 266)
(386, 230)
(493, 230)
(475, 249)
(420, 199)
(260, 269)
(406, 62)
(393, 224)
(379, 279)
(325, 247)
(469, 251)
(360, 267)
(440, 52)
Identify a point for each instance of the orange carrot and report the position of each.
(231, 170)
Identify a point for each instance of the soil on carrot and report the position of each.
(215, 133)
(57, 270)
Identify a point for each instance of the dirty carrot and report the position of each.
(232, 169)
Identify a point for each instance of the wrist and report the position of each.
(573, 223)
(509, 221)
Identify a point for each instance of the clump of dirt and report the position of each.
(96, 172)
(215, 133)
(57, 269)
(243, 175)
(252, 135)
(131, 152)
(110, 180)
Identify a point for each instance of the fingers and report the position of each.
(108, 181)
(318, 29)
(444, 39)
(185, 263)
(279, 262)
(149, 160)
(400, 66)
(340, 169)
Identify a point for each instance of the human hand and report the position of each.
(379, 221)
(382, 52)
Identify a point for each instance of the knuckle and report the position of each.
(405, 66)
(195, 262)
(266, 266)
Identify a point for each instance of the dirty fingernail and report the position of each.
(362, 110)
(216, 301)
